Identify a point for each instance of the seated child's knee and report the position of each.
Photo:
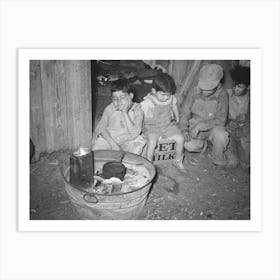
(178, 138)
(152, 141)
(220, 134)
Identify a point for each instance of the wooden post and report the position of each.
(179, 72)
(48, 89)
(37, 127)
(188, 81)
(78, 88)
(170, 67)
(60, 109)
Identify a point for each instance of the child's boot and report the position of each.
(178, 162)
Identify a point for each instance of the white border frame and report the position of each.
(254, 224)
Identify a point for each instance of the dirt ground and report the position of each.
(205, 192)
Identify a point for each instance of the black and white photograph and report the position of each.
(140, 139)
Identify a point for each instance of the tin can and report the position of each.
(82, 168)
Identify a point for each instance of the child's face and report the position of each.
(162, 96)
(239, 89)
(207, 93)
(121, 99)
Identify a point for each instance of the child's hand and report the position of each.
(241, 118)
(187, 136)
(233, 125)
(195, 130)
(125, 106)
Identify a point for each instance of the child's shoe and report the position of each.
(218, 161)
(179, 164)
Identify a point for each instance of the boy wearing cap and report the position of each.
(239, 117)
(206, 114)
(121, 123)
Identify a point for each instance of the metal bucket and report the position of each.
(121, 206)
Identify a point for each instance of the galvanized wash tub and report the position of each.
(121, 206)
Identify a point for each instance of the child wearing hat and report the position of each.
(121, 123)
(161, 117)
(206, 114)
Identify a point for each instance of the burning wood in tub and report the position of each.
(106, 186)
(136, 176)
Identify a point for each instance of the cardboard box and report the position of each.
(165, 150)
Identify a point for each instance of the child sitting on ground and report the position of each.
(160, 110)
(121, 123)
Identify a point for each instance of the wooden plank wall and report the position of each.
(60, 104)
(37, 127)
